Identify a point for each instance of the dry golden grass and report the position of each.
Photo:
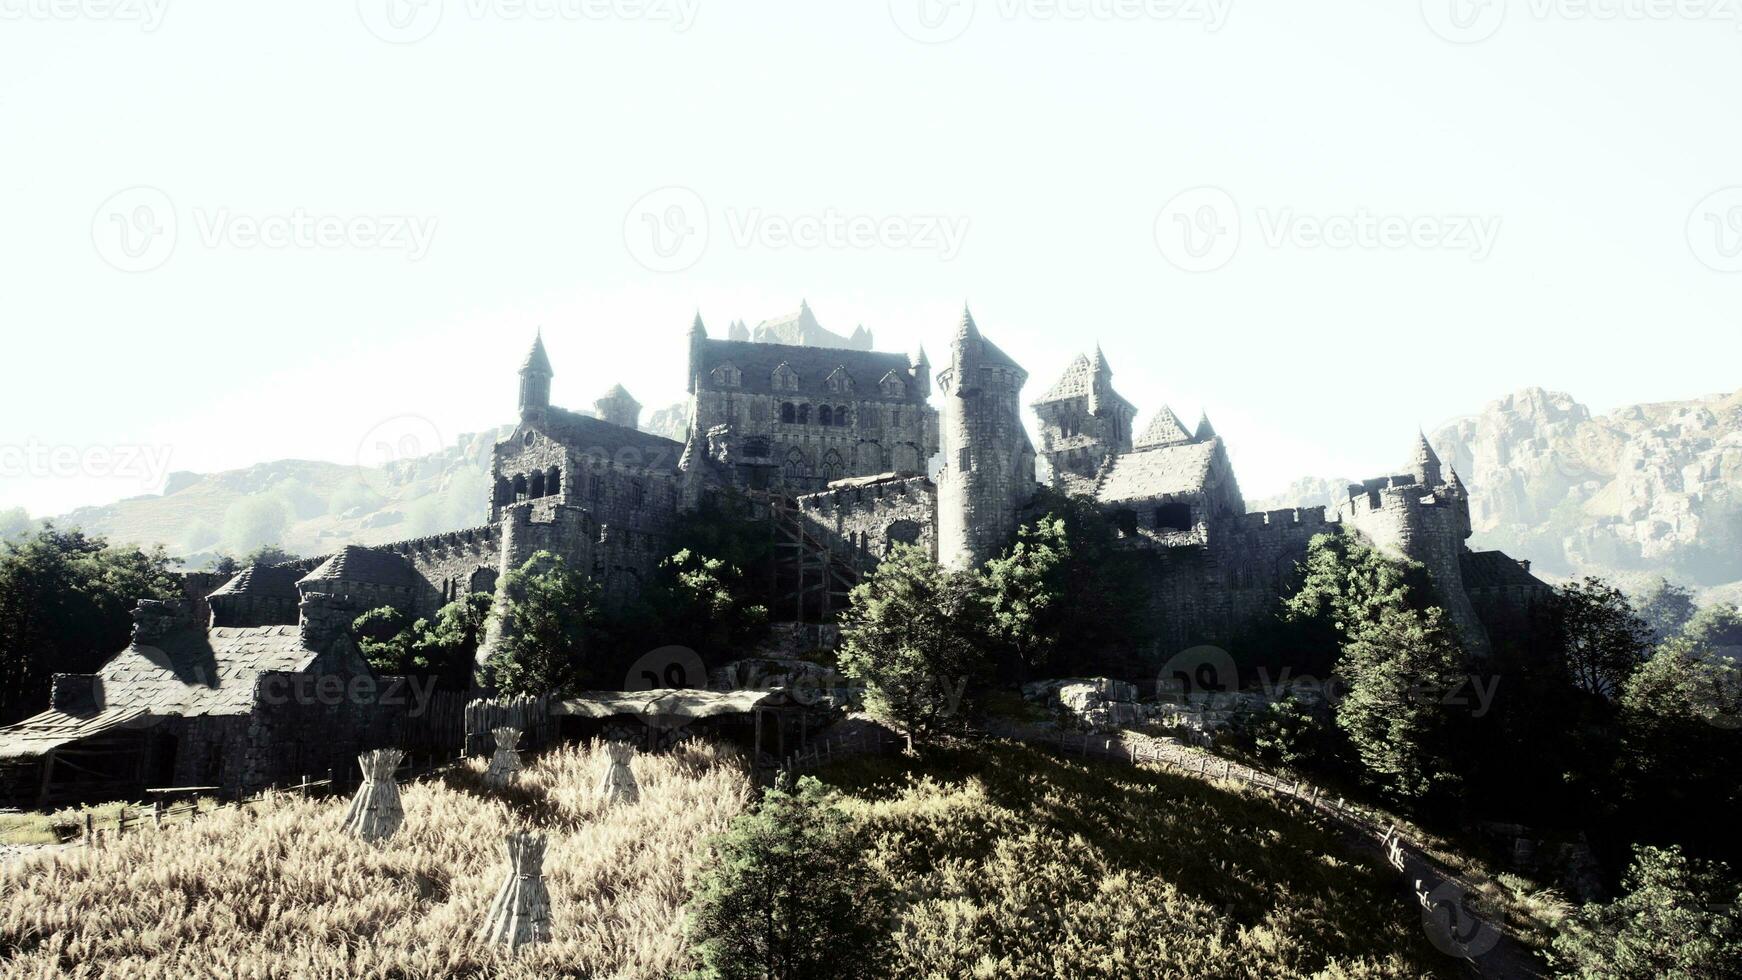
(278, 890)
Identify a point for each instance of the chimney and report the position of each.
(324, 618)
(154, 619)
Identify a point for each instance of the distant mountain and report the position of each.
(1646, 490)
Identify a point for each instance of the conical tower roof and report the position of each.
(1205, 431)
(537, 361)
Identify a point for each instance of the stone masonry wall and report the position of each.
(863, 521)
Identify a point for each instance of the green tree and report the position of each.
(549, 621)
(443, 648)
(912, 636)
(66, 603)
(786, 895)
(707, 605)
(1290, 732)
(1713, 631)
(1604, 641)
(1679, 919)
(1665, 608)
(1398, 662)
(15, 523)
(1025, 595)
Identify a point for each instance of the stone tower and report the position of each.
(1083, 420)
(618, 407)
(1427, 463)
(698, 342)
(535, 375)
(988, 462)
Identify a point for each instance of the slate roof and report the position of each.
(1163, 430)
(369, 566)
(1080, 380)
(264, 581)
(968, 335)
(1159, 471)
(1496, 570)
(537, 360)
(757, 362)
(201, 671)
(36, 735)
(587, 434)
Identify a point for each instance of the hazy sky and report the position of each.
(234, 232)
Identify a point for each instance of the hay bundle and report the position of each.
(619, 786)
(520, 914)
(505, 764)
(376, 811)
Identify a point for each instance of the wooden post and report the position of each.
(121, 823)
(157, 814)
(90, 831)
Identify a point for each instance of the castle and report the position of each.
(847, 443)
(839, 449)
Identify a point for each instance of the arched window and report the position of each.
(536, 487)
(483, 580)
(825, 415)
(788, 414)
(804, 415)
(795, 470)
(520, 487)
(833, 465)
(504, 491)
(840, 415)
(553, 481)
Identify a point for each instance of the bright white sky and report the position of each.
(530, 140)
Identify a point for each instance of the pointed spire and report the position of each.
(696, 328)
(1102, 368)
(967, 328)
(1205, 430)
(920, 360)
(537, 361)
(1458, 484)
(1164, 430)
(1427, 462)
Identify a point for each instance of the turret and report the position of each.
(535, 375)
(618, 407)
(698, 340)
(1206, 431)
(922, 374)
(861, 338)
(1083, 420)
(988, 463)
(1427, 463)
(738, 330)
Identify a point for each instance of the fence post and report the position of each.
(157, 814)
(121, 823)
(90, 831)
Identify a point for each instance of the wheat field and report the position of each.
(277, 889)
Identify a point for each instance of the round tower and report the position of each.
(988, 465)
(618, 407)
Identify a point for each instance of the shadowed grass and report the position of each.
(1013, 862)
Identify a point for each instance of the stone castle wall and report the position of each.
(881, 435)
(450, 565)
(1402, 517)
(866, 521)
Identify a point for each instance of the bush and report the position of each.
(1677, 920)
(787, 896)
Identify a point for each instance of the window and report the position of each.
(1125, 519)
(536, 485)
(804, 415)
(504, 491)
(1173, 517)
(795, 468)
(784, 378)
(788, 414)
(728, 376)
(840, 381)
(826, 415)
(520, 487)
(553, 481)
(840, 415)
(833, 464)
(892, 386)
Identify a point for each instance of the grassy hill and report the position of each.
(1003, 860)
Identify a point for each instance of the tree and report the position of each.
(1665, 608)
(1398, 662)
(1061, 599)
(266, 554)
(548, 621)
(1395, 676)
(1290, 732)
(1713, 631)
(912, 636)
(706, 604)
(1679, 918)
(786, 895)
(15, 523)
(444, 648)
(1604, 641)
(66, 603)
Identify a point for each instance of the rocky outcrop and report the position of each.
(1646, 490)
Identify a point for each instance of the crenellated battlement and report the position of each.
(1293, 517)
(470, 540)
